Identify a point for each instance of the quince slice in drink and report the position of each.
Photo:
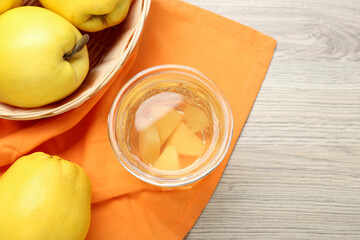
(166, 120)
(186, 142)
(148, 142)
(196, 118)
(168, 160)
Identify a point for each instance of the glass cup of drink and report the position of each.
(170, 125)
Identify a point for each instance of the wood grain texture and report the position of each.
(295, 171)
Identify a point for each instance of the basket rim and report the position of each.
(30, 114)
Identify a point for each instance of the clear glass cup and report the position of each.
(162, 79)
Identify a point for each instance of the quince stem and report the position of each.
(79, 45)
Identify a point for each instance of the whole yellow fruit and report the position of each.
(90, 15)
(38, 64)
(8, 4)
(44, 197)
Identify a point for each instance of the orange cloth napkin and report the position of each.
(232, 55)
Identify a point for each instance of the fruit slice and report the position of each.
(186, 142)
(168, 160)
(149, 144)
(166, 120)
(196, 119)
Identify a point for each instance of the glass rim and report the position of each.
(171, 182)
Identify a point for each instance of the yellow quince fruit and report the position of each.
(8, 4)
(44, 197)
(43, 57)
(90, 15)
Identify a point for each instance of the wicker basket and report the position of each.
(108, 49)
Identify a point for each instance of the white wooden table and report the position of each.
(295, 171)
